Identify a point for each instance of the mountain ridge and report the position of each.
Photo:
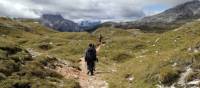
(57, 22)
(169, 19)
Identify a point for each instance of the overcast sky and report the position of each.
(86, 9)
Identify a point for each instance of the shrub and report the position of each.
(21, 57)
(120, 57)
(45, 46)
(8, 67)
(15, 83)
(168, 75)
(190, 77)
(36, 69)
(138, 46)
(22, 85)
(22, 41)
(196, 65)
(47, 61)
(2, 76)
(2, 54)
(11, 50)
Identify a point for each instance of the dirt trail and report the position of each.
(70, 72)
(90, 81)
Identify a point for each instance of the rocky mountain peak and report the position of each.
(57, 22)
(169, 19)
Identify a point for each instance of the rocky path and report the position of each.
(70, 72)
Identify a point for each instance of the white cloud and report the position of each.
(13, 9)
(82, 9)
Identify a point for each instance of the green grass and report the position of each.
(148, 57)
(19, 69)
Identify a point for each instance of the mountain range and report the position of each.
(89, 25)
(169, 19)
(57, 22)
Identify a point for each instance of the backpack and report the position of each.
(90, 55)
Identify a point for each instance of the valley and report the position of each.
(129, 58)
(159, 51)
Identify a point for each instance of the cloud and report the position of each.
(13, 9)
(84, 9)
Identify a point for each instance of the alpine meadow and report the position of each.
(100, 44)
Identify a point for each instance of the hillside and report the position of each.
(32, 55)
(150, 60)
(167, 20)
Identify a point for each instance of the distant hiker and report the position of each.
(90, 58)
(100, 38)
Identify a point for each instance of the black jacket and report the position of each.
(90, 55)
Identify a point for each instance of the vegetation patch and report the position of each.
(45, 46)
(168, 75)
(120, 57)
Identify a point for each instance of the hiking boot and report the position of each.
(91, 74)
(88, 73)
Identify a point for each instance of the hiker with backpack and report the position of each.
(90, 59)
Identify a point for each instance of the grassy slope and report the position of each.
(28, 34)
(147, 57)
